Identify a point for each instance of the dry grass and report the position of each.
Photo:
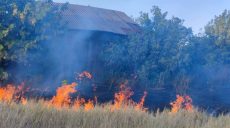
(35, 115)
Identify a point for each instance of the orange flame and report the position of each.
(62, 98)
(122, 98)
(24, 101)
(11, 93)
(20, 92)
(140, 105)
(78, 103)
(188, 103)
(182, 102)
(89, 105)
(7, 93)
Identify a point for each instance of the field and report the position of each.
(62, 111)
(36, 115)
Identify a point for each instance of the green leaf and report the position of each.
(1, 47)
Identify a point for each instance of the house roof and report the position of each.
(80, 17)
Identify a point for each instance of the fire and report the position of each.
(85, 74)
(7, 93)
(89, 105)
(11, 93)
(140, 105)
(20, 92)
(23, 101)
(78, 103)
(188, 103)
(122, 98)
(182, 102)
(62, 98)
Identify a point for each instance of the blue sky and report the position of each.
(196, 13)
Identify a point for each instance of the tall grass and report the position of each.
(36, 115)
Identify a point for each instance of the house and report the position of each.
(89, 28)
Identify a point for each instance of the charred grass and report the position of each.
(36, 115)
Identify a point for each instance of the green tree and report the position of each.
(218, 32)
(23, 25)
(154, 56)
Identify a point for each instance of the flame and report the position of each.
(24, 101)
(122, 98)
(85, 74)
(7, 93)
(11, 93)
(89, 105)
(62, 98)
(140, 105)
(20, 92)
(78, 103)
(182, 102)
(188, 103)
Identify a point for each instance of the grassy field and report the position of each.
(36, 115)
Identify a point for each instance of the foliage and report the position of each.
(218, 31)
(155, 53)
(23, 25)
(166, 53)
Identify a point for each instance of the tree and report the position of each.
(155, 55)
(23, 25)
(218, 32)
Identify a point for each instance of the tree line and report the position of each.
(164, 53)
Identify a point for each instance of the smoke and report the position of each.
(210, 87)
(63, 57)
(55, 61)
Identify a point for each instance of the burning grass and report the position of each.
(63, 111)
(36, 115)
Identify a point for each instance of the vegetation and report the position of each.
(166, 53)
(23, 25)
(35, 115)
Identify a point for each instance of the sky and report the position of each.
(196, 13)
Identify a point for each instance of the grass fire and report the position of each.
(73, 65)
(62, 110)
